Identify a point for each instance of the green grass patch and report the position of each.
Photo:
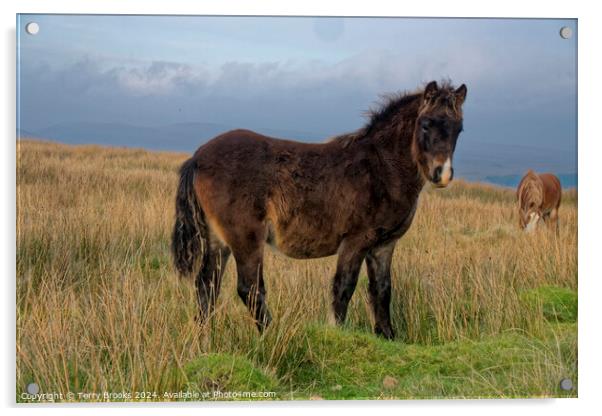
(354, 365)
(558, 304)
(347, 364)
(227, 373)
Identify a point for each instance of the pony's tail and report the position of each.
(189, 238)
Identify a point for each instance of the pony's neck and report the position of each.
(394, 142)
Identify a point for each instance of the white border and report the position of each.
(590, 151)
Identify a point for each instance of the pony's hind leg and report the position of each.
(378, 262)
(208, 280)
(251, 288)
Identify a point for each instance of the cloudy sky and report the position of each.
(314, 75)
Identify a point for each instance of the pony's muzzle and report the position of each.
(443, 174)
(533, 219)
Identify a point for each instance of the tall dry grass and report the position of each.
(99, 306)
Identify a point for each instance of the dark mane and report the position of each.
(391, 105)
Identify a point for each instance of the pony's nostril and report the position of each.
(451, 174)
(437, 174)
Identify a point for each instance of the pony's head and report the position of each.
(530, 198)
(438, 125)
(529, 220)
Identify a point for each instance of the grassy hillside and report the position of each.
(480, 309)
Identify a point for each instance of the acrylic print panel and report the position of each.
(414, 237)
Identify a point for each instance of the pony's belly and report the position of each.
(303, 245)
(298, 250)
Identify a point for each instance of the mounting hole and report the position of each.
(33, 388)
(566, 32)
(32, 28)
(566, 384)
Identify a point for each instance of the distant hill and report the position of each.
(25, 133)
(567, 180)
(496, 163)
(501, 164)
(184, 137)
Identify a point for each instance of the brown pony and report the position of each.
(538, 198)
(354, 196)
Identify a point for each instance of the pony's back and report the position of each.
(552, 190)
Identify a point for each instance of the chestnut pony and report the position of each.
(354, 196)
(538, 198)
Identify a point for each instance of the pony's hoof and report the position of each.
(263, 324)
(200, 320)
(385, 333)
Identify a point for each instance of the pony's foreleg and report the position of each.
(209, 278)
(345, 280)
(378, 262)
(251, 288)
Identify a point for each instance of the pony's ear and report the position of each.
(430, 90)
(460, 93)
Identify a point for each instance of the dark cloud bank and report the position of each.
(172, 106)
